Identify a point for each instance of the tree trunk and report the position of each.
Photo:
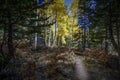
(116, 46)
(118, 40)
(55, 34)
(3, 42)
(110, 28)
(118, 34)
(10, 39)
(106, 40)
(84, 39)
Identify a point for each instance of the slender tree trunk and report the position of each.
(10, 35)
(49, 37)
(55, 35)
(45, 29)
(118, 34)
(106, 40)
(84, 29)
(84, 39)
(72, 33)
(10, 39)
(118, 40)
(79, 41)
(58, 40)
(3, 42)
(101, 44)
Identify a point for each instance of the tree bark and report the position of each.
(10, 39)
(55, 34)
(110, 28)
(3, 42)
(106, 40)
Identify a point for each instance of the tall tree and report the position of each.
(12, 13)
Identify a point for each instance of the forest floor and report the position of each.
(55, 64)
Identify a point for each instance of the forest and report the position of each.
(59, 40)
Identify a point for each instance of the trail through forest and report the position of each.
(53, 64)
(59, 40)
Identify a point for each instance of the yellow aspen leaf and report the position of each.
(63, 40)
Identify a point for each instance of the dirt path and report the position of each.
(80, 70)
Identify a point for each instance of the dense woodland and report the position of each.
(49, 40)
